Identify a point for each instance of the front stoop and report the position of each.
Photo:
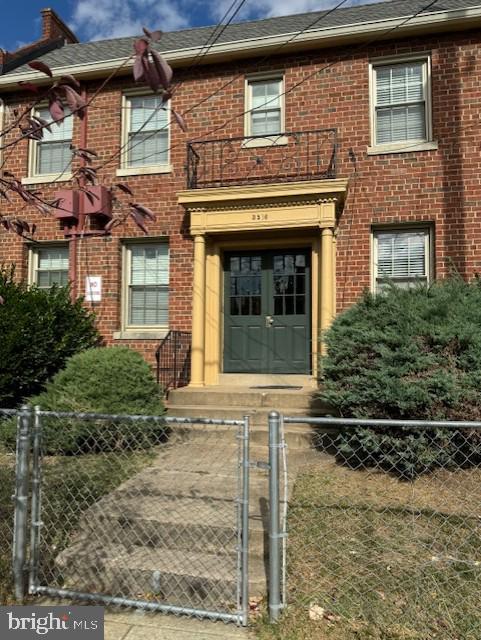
(171, 529)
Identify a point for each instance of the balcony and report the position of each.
(288, 157)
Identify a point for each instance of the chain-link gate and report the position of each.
(142, 511)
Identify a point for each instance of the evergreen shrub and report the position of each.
(105, 380)
(39, 330)
(408, 354)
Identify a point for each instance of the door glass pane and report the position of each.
(245, 285)
(289, 283)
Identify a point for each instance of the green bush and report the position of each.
(39, 330)
(113, 380)
(408, 354)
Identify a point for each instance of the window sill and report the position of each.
(405, 147)
(268, 141)
(136, 334)
(47, 178)
(140, 171)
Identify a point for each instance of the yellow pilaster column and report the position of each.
(198, 314)
(327, 278)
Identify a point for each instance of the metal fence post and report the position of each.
(21, 501)
(274, 533)
(35, 506)
(245, 521)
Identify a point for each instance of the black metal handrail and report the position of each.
(286, 157)
(173, 360)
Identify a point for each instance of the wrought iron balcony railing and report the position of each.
(287, 157)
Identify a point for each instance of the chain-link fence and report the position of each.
(384, 529)
(144, 511)
(8, 419)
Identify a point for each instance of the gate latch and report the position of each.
(259, 464)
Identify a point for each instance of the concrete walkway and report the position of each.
(140, 625)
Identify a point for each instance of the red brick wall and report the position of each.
(441, 187)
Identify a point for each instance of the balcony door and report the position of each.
(267, 311)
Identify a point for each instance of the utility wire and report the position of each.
(295, 86)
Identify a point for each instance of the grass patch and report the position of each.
(7, 482)
(70, 485)
(385, 560)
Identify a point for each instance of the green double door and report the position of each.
(267, 311)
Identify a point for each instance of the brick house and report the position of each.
(324, 154)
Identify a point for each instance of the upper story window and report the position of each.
(49, 266)
(146, 294)
(400, 105)
(145, 134)
(52, 155)
(265, 107)
(402, 257)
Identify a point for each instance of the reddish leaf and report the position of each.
(163, 69)
(28, 86)
(125, 188)
(74, 100)
(139, 221)
(56, 109)
(68, 79)
(143, 210)
(38, 65)
(33, 229)
(138, 68)
(155, 35)
(114, 222)
(2, 300)
(152, 77)
(141, 45)
(44, 123)
(89, 151)
(166, 96)
(179, 119)
(91, 197)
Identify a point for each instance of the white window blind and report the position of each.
(265, 102)
(400, 102)
(148, 135)
(51, 267)
(148, 294)
(401, 257)
(53, 152)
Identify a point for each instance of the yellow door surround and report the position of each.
(290, 214)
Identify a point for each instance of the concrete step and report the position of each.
(237, 396)
(197, 524)
(173, 576)
(297, 436)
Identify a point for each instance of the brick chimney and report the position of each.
(54, 27)
(55, 34)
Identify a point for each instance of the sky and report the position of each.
(20, 21)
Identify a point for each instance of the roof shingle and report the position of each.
(103, 50)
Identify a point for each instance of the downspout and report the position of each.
(74, 231)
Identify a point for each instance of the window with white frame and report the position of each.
(401, 102)
(49, 266)
(146, 131)
(52, 154)
(265, 106)
(147, 284)
(402, 257)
